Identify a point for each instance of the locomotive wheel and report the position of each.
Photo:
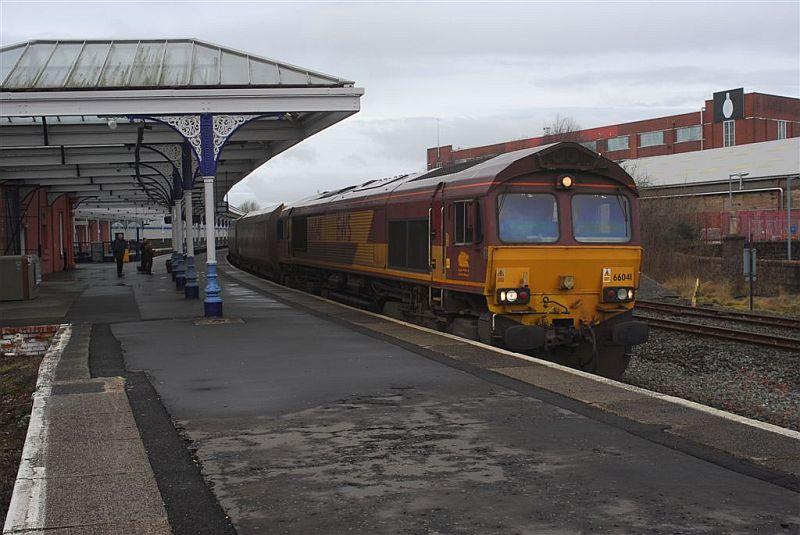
(612, 361)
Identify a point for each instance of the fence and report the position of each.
(756, 225)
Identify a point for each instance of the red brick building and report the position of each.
(42, 228)
(729, 118)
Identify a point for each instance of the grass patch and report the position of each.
(17, 382)
(719, 294)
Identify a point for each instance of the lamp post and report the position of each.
(732, 224)
(789, 217)
(730, 186)
(702, 128)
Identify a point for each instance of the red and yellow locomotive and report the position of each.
(536, 250)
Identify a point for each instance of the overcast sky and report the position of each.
(488, 72)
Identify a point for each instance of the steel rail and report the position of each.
(723, 333)
(727, 315)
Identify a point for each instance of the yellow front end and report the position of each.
(565, 282)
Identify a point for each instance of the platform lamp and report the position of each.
(702, 127)
(789, 215)
(730, 185)
(732, 224)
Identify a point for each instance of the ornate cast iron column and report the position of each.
(206, 134)
(180, 275)
(174, 258)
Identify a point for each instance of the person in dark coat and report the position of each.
(147, 257)
(118, 247)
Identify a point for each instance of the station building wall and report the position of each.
(45, 229)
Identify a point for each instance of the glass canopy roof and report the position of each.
(154, 64)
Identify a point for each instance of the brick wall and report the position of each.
(28, 341)
(772, 276)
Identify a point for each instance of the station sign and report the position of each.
(729, 105)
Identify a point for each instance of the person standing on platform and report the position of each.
(118, 247)
(147, 257)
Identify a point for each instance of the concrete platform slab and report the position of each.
(80, 458)
(585, 390)
(91, 427)
(90, 404)
(103, 499)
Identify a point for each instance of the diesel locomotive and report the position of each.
(537, 251)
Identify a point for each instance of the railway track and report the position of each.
(725, 333)
(727, 315)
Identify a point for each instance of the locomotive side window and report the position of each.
(527, 218)
(464, 224)
(300, 234)
(601, 218)
(408, 244)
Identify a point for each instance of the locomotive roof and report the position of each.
(564, 155)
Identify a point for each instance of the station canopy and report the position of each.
(100, 120)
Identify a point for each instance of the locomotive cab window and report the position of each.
(601, 218)
(464, 222)
(527, 218)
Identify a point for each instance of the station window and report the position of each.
(591, 145)
(464, 224)
(618, 143)
(688, 133)
(408, 244)
(782, 129)
(728, 133)
(651, 139)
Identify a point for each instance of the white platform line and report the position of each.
(28, 500)
(630, 388)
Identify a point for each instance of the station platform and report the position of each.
(295, 414)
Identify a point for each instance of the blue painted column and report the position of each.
(191, 290)
(178, 269)
(174, 257)
(213, 302)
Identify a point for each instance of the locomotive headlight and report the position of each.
(566, 182)
(514, 296)
(622, 294)
(630, 295)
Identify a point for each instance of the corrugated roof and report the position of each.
(137, 64)
(765, 159)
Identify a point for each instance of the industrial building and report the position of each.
(730, 118)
